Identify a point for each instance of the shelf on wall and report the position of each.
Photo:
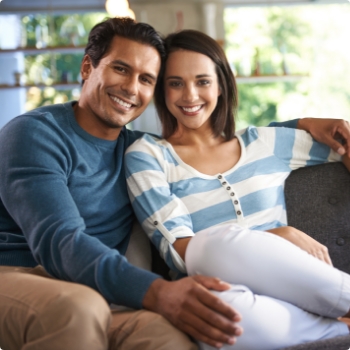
(34, 50)
(258, 79)
(268, 78)
(58, 86)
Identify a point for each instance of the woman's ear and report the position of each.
(86, 67)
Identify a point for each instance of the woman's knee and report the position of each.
(265, 321)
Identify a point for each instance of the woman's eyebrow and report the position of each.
(197, 76)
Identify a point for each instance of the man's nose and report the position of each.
(130, 85)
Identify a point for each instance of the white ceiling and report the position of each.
(28, 6)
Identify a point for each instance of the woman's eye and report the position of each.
(204, 82)
(174, 84)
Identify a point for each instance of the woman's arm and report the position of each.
(163, 216)
(303, 241)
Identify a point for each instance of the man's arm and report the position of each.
(335, 133)
(35, 188)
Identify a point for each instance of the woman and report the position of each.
(212, 202)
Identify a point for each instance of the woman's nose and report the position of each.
(190, 94)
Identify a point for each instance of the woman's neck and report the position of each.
(204, 152)
(195, 138)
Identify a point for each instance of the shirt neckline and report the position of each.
(188, 167)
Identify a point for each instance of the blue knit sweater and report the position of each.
(64, 203)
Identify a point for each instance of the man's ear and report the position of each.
(86, 67)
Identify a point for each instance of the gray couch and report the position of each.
(318, 203)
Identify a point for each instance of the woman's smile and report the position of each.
(191, 110)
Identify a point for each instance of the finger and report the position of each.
(206, 332)
(217, 305)
(323, 256)
(218, 321)
(344, 132)
(335, 145)
(328, 259)
(212, 283)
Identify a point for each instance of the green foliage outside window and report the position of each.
(310, 42)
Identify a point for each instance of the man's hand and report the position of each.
(329, 131)
(303, 241)
(190, 306)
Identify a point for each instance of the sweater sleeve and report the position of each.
(296, 148)
(293, 124)
(163, 215)
(34, 189)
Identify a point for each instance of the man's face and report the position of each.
(119, 89)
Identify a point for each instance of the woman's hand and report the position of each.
(329, 132)
(303, 241)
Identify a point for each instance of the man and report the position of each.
(65, 218)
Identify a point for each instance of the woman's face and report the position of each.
(191, 88)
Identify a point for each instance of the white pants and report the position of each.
(285, 296)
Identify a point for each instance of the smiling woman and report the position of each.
(211, 200)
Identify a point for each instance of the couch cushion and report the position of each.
(318, 203)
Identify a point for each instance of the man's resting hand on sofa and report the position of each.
(335, 133)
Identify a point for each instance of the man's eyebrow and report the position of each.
(197, 76)
(122, 63)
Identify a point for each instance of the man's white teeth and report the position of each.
(192, 109)
(121, 102)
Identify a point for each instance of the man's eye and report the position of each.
(119, 69)
(146, 80)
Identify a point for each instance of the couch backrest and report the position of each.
(318, 203)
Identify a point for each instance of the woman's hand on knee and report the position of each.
(303, 241)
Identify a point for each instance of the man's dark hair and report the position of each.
(222, 118)
(102, 34)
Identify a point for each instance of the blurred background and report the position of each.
(291, 58)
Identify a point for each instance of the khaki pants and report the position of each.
(38, 312)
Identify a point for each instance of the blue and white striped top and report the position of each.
(172, 200)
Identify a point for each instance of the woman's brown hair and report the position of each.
(223, 117)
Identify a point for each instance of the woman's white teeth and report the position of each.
(121, 102)
(192, 109)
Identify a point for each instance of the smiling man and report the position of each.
(65, 218)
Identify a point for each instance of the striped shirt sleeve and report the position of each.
(162, 215)
(296, 148)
